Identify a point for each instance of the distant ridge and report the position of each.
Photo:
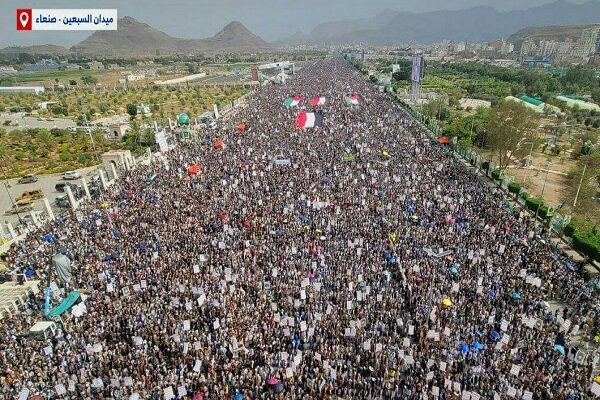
(480, 23)
(137, 38)
(558, 33)
(37, 49)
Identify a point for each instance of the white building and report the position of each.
(586, 45)
(117, 131)
(22, 89)
(96, 65)
(133, 77)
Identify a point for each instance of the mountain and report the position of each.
(43, 49)
(137, 38)
(131, 36)
(558, 33)
(236, 35)
(480, 23)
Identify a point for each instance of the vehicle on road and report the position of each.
(62, 201)
(71, 175)
(19, 208)
(30, 195)
(29, 178)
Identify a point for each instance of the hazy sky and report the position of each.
(270, 19)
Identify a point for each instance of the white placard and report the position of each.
(168, 393)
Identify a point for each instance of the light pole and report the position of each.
(580, 182)
(543, 188)
(471, 132)
(89, 131)
(528, 162)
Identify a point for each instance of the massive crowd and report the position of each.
(373, 266)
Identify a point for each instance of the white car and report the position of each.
(70, 175)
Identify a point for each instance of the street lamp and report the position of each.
(528, 161)
(89, 131)
(543, 188)
(580, 182)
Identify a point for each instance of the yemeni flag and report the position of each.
(309, 120)
(292, 101)
(317, 101)
(353, 100)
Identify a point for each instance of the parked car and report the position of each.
(60, 186)
(30, 195)
(29, 178)
(62, 201)
(71, 175)
(19, 208)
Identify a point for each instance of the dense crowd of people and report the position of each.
(374, 265)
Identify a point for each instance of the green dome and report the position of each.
(183, 119)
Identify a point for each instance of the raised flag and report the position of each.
(353, 100)
(317, 101)
(293, 101)
(309, 120)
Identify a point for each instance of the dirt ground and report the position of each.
(556, 180)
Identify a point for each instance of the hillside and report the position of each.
(558, 33)
(480, 23)
(137, 38)
(43, 49)
(132, 37)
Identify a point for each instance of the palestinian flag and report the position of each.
(353, 100)
(317, 101)
(309, 120)
(292, 101)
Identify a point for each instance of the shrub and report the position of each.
(524, 195)
(569, 229)
(485, 165)
(496, 174)
(532, 203)
(588, 243)
(514, 187)
(545, 212)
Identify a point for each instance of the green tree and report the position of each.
(132, 110)
(45, 139)
(73, 82)
(89, 80)
(149, 138)
(596, 95)
(510, 124)
(135, 132)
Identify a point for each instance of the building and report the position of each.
(548, 48)
(117, 131)
(528, 49)
(44, 105)
(586, 45)
(143, 109)
(96, 65)
(116, 162)
(22, 89)
(133, 77)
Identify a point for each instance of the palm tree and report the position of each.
(135, 130)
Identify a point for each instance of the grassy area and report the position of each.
(61, 75)
(45, 152)
(163, 102)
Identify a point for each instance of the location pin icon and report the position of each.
(24, 18)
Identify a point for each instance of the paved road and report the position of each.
(32, 122)
(45, 183)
